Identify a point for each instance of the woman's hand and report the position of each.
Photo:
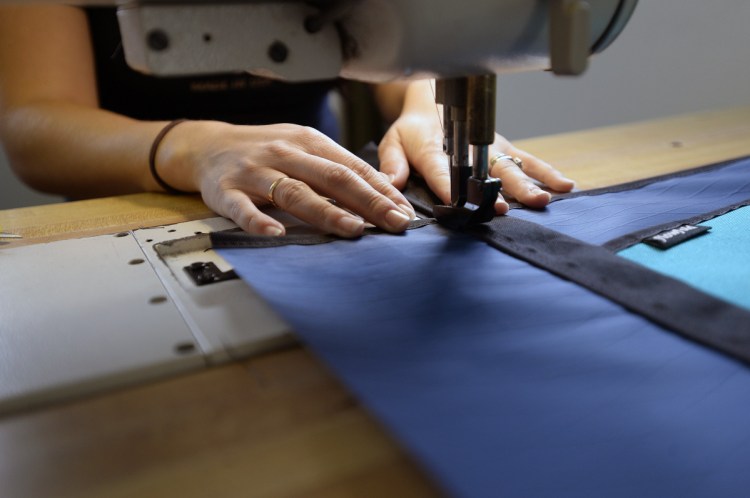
(239, 169)
(416, 139)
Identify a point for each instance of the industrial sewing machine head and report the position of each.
(461, 44)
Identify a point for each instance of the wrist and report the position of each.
(176, 157)
(420, 97)
(153, 154)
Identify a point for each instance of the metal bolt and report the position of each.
(157, 40)
(278, 52)
(313, 24)
(184, 348)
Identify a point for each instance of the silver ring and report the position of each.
(499, 157)
(272, 189)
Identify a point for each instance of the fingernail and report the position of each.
(396, 220)
(565, 179)
(352, 226)
(388, 177)
(408, 211)
(272, 231)
(501, 206)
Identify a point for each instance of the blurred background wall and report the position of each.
(675, 56)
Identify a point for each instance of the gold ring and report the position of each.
(499, 157)
(272, 189)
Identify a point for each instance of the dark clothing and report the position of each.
(238, 98)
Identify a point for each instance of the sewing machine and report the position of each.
(462, 44)
(138, 282)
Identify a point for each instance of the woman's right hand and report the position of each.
(234, 168)
(59, 140)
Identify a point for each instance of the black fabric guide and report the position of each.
(663, 300)
(420, 196)
(234, 239)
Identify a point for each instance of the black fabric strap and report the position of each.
(237, 239)
(663, 300)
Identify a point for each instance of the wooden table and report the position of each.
(278, 424)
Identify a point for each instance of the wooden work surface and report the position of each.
(278, 424)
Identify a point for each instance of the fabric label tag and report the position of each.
(670, 238)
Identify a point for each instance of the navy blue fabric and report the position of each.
(601, 218)
(504, 380)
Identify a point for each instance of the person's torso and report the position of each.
(238, 98)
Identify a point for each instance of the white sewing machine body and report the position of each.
(369, 40)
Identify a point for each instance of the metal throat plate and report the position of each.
(88, 315)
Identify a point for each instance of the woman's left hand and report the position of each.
(416, 139)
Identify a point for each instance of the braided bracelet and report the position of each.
(152, 158)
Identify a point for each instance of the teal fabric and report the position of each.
(718, 262)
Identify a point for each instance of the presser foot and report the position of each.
(479, 207)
